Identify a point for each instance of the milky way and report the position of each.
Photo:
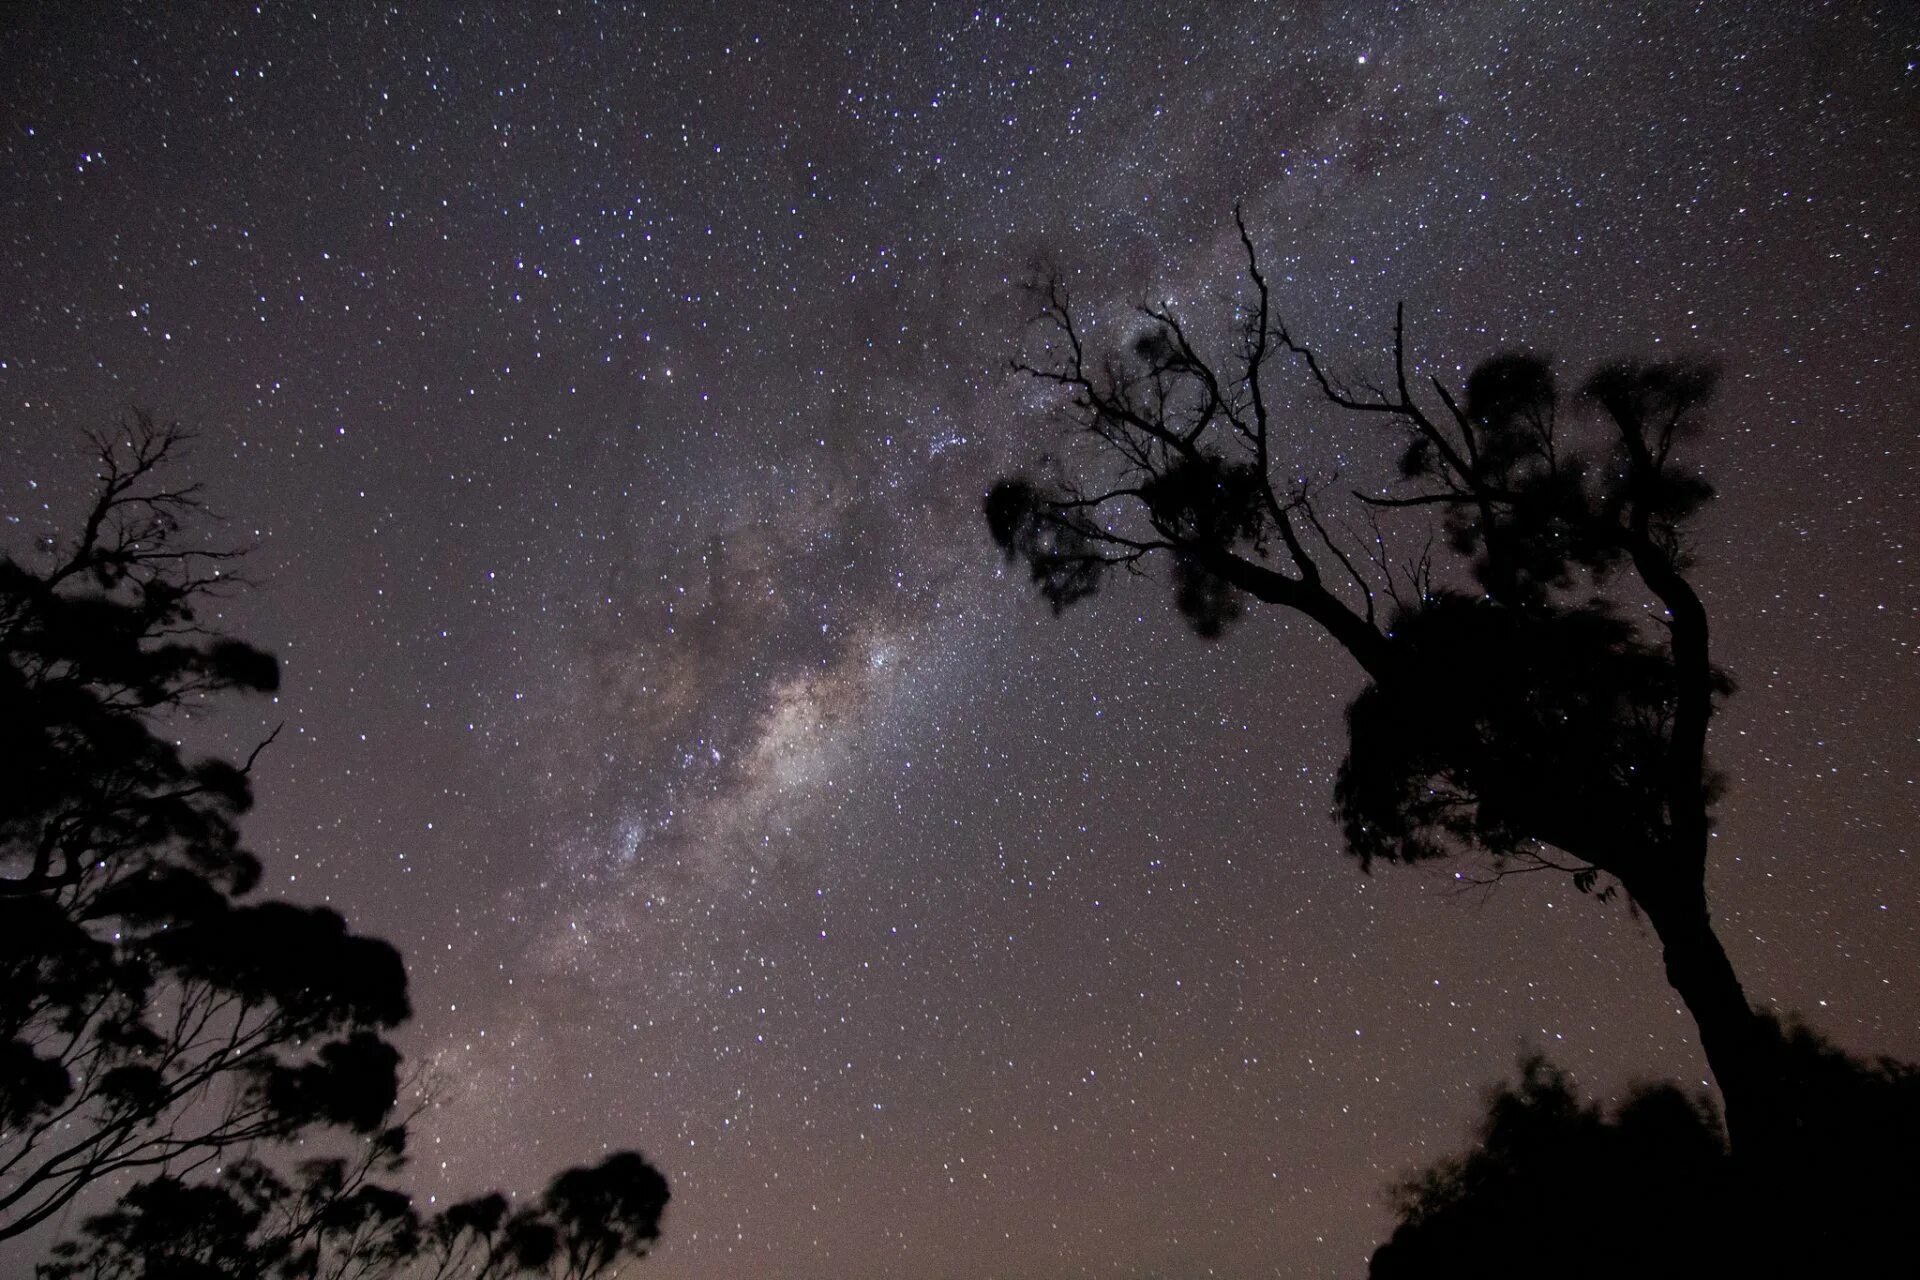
(610, 394)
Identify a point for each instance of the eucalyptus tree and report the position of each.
(1513, 585)
(171, 1041)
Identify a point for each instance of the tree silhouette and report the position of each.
(1538, 676)
(330, 1219)
(1556, 1187)
(155, 1022)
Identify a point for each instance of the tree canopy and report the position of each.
(1513, 585)
(1557, 1186)
(162, 1029)
(330, 1218)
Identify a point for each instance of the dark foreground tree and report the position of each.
(331, 1219)
(156, 1023)
(1554, 1187)
(1538, 676)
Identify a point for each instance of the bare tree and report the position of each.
(1538, 675)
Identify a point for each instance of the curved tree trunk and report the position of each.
(1735, 1039)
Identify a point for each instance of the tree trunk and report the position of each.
(1738, 1047)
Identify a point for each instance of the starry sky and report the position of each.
(610, 392)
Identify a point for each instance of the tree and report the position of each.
(1538, 681)
(331, 1220)
(1554, 1186)
(156, 1021)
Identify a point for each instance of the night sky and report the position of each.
(611, 393)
